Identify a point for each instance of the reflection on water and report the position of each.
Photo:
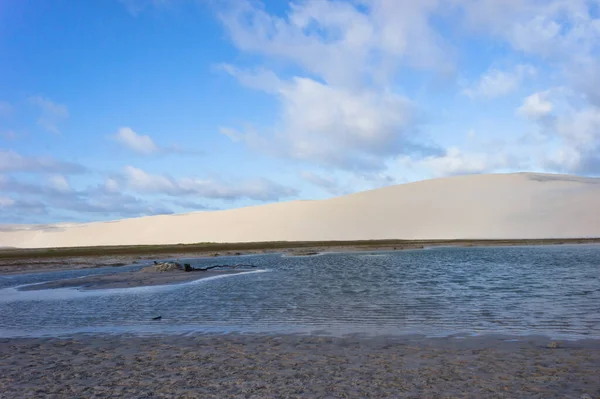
(521, 290)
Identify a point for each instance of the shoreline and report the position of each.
(298, 366)
(21, 261)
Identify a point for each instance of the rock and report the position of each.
(163, 267)
(157, 318)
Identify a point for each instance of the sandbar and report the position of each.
(130, 280)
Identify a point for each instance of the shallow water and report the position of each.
(552, 291)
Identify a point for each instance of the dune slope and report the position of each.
(496, 206)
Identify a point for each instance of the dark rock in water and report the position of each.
(188, 267)
(157, 318)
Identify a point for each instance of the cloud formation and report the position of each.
(11, 161)
(261, 189)
(139, 143)
(145, 145)
(341, 111)
(497, 83)
(56, 197)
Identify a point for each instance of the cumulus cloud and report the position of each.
(568, 127)
(341, 42)
(139, 143)
(56, 198)
(59, 183)
(144, 145)
(497, 83)
(256, 189)
(536, 106)
(111, 186)
(11, 161)
(339, 127)
(457, 162)
(579, 134)
(341, 111)
(52, 114)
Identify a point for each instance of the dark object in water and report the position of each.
(204, 269)
(188, 267)
(157, 318)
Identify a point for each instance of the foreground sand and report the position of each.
(524, 205)
(235, 366)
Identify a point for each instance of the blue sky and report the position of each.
(124, 108)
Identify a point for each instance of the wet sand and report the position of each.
(131, 279)
(262, 366)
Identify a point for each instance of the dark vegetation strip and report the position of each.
(13, 253)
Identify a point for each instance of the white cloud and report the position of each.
(144, 145)
(136, 142)
(111, 186)
(342, 110)
(569, 129)
(565, 32)
(59, 183)
(536, 106)
(257, 189)
(331, 126)
(11, 161)
(57, 200)
(457, 162)
(497, 83)
(51, 114)
(342, 42)
(579, 134)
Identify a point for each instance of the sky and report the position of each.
(124, 108)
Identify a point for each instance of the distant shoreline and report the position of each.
(17, 261)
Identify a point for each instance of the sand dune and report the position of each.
(496, 206)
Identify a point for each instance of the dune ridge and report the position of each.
(491, 206)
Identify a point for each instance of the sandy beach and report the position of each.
(292, 366)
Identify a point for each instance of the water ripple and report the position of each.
(521, 290)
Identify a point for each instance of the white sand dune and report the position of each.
(495, 206)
